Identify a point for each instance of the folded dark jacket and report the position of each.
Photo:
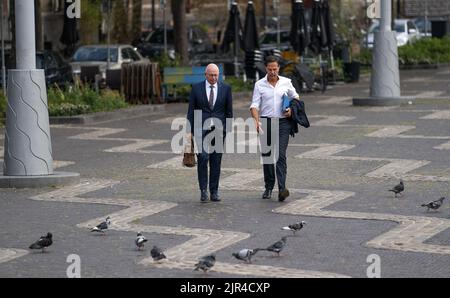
(298, 116)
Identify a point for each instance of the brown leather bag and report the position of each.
(189, 155)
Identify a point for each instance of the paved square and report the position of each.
(339, 173)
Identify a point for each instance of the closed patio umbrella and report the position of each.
(250, 41)
(233, 34)
(233, 31)
(318, 31)
(328, 24)
(299, 31)
(69, 36)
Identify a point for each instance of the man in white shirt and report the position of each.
(267, 104)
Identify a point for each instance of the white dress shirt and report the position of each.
(208, 91)
(267, 99)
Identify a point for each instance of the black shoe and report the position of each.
(204, 196)
(267, 194)
(215, 197)
(283, 194)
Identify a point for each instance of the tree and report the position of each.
(119, 31)
(180, 29)
(90, 21)
(136, 20)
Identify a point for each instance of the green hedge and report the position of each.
(238, 84)
(82, 100)
(76, 101)
(424, 51)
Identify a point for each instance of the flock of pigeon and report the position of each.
(434, 205)
(207, 262)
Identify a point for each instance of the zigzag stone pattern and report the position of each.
(409, 235)
(135, 146)
(9, 254)
(445, 114)
(385, 131)
(396, 168)
(184, 256)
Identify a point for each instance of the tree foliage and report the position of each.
(180, 29)
(119, 30)
(90, 21)
(136, 20)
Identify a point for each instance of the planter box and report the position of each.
(351, 71)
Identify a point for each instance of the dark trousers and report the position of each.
(215, 160)
(281, 165)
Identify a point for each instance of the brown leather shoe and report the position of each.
(283, 194)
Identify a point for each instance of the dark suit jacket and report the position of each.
(298, 116)
(198, 100)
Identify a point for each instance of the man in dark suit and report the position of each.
(211, 102)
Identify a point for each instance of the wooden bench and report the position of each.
(175, 76)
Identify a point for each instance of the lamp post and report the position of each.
(385, 78)
(3, 51)
(108, 37)
(28, 160)
(426, 17)
(153, 15)
(163, 3)
(236, 44)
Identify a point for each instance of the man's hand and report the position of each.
(288, 113)
(259, 127)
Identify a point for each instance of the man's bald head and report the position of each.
(212, 73)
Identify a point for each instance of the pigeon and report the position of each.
(140, 240)
(102, 226)
(434, 204)
(205, 263)
(245, 254)
(277, 246)
(157, 253)
(43, 242)
(398, 188)
(295, 227)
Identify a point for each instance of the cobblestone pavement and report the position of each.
(339, 173)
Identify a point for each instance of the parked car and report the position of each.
(423, 30)
(268, 41)
(93, 55)
(153, 44)
(56, 69)
(406, 32)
